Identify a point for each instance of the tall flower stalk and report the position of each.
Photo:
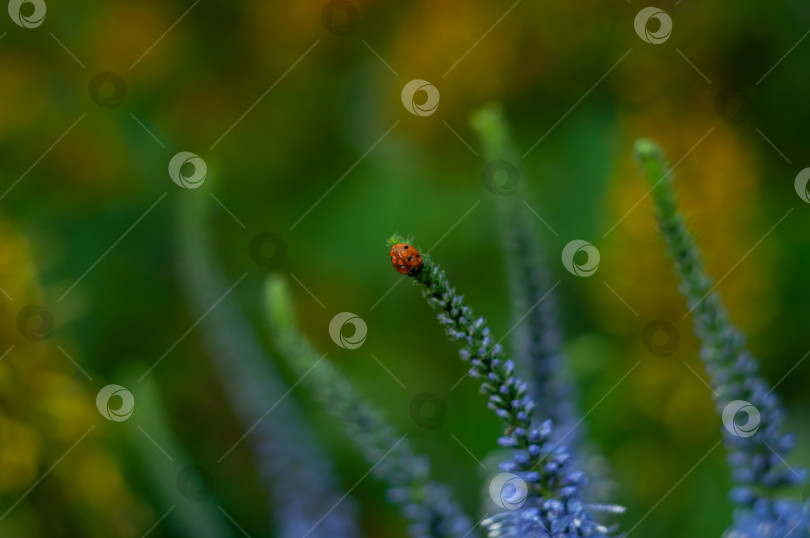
(752, 413)
(536, 339)
(303, 489)
(553, 505)
(427, 506)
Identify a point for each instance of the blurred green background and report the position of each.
(77, 176)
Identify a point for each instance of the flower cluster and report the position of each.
(554, 506)
(561, 511)
(757, 460)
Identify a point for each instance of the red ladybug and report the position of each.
(406, 259)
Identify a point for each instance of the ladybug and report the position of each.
(406, 259)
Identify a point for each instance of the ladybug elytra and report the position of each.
(406, 259)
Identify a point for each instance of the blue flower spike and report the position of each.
(552, 506)
(752, 413)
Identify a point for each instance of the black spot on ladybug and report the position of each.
(406, 247)
(410, 258)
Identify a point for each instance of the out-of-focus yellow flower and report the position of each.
(45, 410)
(62, 408)
(98, 479)
(24, 99)
(442, 43)
(122, 34)
(717, 187)
(19, 454)
(686, 414)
